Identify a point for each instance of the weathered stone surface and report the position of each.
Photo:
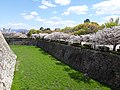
(21, 41)
(7, 64)
(101, 66)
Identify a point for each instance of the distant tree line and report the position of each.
(88, 27)
(41, 30)
(85, 28)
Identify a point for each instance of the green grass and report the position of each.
(37, 70)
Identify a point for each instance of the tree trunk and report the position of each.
(114, 47)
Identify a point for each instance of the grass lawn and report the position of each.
(37, 70)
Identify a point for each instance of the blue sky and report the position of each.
(55, 13)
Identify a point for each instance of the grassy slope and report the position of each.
(37, 70)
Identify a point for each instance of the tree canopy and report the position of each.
(33, 31)
(112, 23)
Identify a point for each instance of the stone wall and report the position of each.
(21, 41)
(7, 64)
(101, 66)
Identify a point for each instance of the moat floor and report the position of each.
(37, 70)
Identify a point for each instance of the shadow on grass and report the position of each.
(59, 63)
(67, 69)
(52, 58)
(75, 75)
(79, 77)
(43, 52)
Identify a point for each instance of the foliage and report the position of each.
(88, 27)
(80, 32)
(47, 29)
(80, 29)
(87, 21)
(112, 23)
(33, 31)
(37, 70)
(41, 28)
(102, 27)
(67, 30)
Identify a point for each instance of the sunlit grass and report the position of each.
(37, 70)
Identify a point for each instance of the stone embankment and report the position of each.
(7, 64)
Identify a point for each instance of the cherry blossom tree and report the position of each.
(109, 36)
(75, 39)
(57, 36)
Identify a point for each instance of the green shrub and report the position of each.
(80, 32)
(67, 29)
(86, 28)
(112, 23)
(33, 31)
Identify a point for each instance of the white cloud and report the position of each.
(34, 13)
(43, 7)
(27, 17)
(30, 16)
(107, 18)
(63, 2)
(111, 16)
(61, 23)
(107, 7)
(54, 12)
(39, 19)
(55, 22)
(52, 22)
(48, 3)
(76, 10)
(55, 18)
(66, 13)
(16, 26)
